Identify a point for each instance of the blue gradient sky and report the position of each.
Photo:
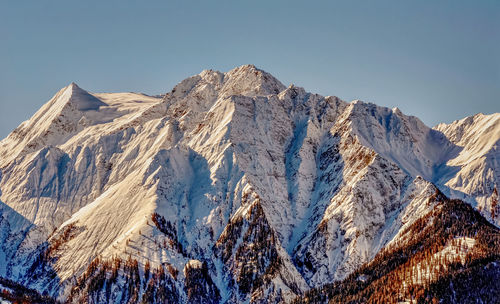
(438, 60)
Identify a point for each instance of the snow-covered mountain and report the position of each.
(230, 188)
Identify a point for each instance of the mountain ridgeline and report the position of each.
(233, 188)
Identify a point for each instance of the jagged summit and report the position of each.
(248, 76)
(246, 80)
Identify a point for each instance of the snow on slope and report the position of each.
(405, 140)
(334, 181)
(64, 114)
(62, 154)
(476, 163)
(456, 249)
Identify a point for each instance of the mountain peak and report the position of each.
(231, 183)
(397, 110)
(250, 70)
(249, 80)
(246, 68)
(83, 100)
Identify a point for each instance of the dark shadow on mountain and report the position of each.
(329, 177)
(13, 230)
(22, 267)
(201, 182)
(442, 172)
(18, 293)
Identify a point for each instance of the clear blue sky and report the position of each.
(438, 60)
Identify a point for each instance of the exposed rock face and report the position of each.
(231, 187)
